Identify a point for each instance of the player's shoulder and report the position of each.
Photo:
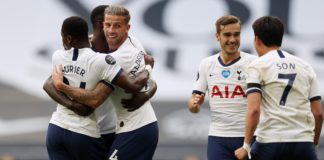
(211, 58)
(58, 53)
(247, 55)
(302, 63)
(247, 58)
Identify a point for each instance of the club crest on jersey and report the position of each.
(240, 75)
(226, 73)
(110, 60)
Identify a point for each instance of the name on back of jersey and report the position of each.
(284, 66)
(73, 69)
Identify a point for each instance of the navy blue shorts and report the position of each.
(63, 144)
(108, 139)
(283, 151)
(139, 144)
(221, 148)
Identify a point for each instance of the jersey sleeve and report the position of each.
(200, 86)
(56, 57)
(254, 78)
(107, 68)
(314, 89)
(137, 44)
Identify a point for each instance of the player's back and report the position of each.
(82, 68)
(287, 86)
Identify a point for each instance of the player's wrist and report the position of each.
(247, 147)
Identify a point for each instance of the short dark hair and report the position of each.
(97, 14)
(269, 29)
(76, 27)
(226, 20)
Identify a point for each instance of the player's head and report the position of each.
(97, 16)
(228, 33)
(269, 30)
(74, 31)
(116, 25)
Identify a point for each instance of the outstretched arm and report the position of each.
(140, 98)
(62, 99)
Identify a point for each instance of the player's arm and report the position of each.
(132, 84)
(251, 121)
(138, 99)
(97, 96)
(316, 109)
(92, 98)
(62, 99)
(135, 84)
(195, 102)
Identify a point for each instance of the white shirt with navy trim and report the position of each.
(130, 56)
(82, 68)
(287, 85)
(226, 87)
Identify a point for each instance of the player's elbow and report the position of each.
(95, 103)
(254, 112)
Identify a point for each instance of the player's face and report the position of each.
(116, 30)
(229, 38)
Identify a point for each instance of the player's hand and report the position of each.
(149, 60)
(195, 102)
(135, 102)
(57, 76)
(198, 99)
(241, 154)
(80, 109)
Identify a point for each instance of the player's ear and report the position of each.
(217, 36)
(257, 40)
(69, 39)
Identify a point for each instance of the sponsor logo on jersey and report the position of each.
(110, 60)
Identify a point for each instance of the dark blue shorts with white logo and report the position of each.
(139, 144)
(283, 151)
(63, 144)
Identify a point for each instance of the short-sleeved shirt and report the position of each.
(287, 85)
(131, 59)
(82, 68)
(226, 85)
(106, 114)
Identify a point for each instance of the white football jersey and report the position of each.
(82, 68)
(287, 85)
(227, 100)
(106, 115)
(131, 59)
